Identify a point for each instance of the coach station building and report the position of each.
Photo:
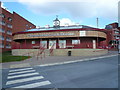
(61, 39)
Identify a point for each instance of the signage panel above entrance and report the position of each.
(47, 35)
(59, 34)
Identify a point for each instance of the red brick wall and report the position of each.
(87, 42)
(7, 15)
(19, 23)
(84, 43)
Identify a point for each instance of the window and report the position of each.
(43, 44)
(10, 19)
(75, 41)
(1, 45)
(9, 25)
(8, 46)
(2, 22)
(116, 31)
(1, 37)
(9, 32)
(62, 43)
(2, 30)
(33, 42)
(26, 25)
(116, 37)
(8, 39)
(2, 15)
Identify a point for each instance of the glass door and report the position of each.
(62, 43)
(43, 44)
(52, 44)
(94, 44)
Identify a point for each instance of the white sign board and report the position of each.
(82, 33)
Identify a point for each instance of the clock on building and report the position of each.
(56, 22)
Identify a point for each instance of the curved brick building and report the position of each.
(61, 39)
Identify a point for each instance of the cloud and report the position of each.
(66, 22)
(2, 5)
(76, 8)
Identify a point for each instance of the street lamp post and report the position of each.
(97, 32)
(119, 46)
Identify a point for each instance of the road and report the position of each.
(99, 73)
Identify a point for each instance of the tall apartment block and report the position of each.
(11, 23)
(113, 34)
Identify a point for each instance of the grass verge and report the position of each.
(8, 57)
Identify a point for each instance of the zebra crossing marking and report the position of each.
(21, 72)
(34, 85)
(20, 69)
(24, 80)
(21, 76)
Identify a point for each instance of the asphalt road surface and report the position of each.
(99, 73)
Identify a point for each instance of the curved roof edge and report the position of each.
(52, 30)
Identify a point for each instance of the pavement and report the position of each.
(53, 60)
(101, 73)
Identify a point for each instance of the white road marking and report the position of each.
(20, 69)
(23, 75)
(66, 62)
(24, 80)
(21, 72)
(34, 85)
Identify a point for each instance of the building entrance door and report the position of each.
(94, 44)
(52, 44)
(62, 43)
(43, 44)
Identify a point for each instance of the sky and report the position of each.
(83, 12)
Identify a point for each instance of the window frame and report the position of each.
(77, 41)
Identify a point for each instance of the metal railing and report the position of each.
(51, 50)
(41, 52)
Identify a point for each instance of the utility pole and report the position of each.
(97, 33)
(97, 23)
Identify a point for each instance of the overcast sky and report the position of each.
(83, 12)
